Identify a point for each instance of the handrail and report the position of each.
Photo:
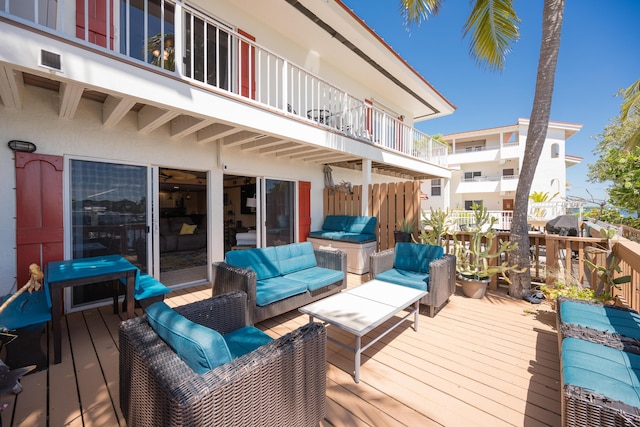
(218, 56)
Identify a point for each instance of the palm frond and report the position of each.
(416, 11)
(493, 29)
(631, 100)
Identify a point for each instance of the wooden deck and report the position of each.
(488, 362)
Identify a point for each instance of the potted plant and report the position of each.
(435, 226)
(472, 257)
(404, 231)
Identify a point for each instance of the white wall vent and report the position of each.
(50, 60)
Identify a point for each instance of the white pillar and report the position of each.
(366, 180)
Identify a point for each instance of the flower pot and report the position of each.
(474, 288)
(402, 236)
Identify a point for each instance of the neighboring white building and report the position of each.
(146, 110)
(486, 166)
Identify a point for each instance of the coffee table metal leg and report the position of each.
(417, 312)
(357, 359)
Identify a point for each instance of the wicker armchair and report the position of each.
(282, 383)
(442, 277)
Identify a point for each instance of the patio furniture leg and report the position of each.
(417, 312)
(357, 358)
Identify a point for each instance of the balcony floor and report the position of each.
(488, 362)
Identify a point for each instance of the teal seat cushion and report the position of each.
(316, 277)
(412, 279)
(334, 223)
(603, 370)
(264, 261)
(277, 288)
(361, 224)
(201, 348)
(27, 309)
(295, 257)
(245, 340)
(147, 287)
(601, 318)
(415, 256)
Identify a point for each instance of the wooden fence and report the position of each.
(390, 203)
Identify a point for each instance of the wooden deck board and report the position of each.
(478, 362)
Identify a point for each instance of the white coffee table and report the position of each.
(363, 308)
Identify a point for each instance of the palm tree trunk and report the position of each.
(536, 135)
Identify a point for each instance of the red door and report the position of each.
(247, 67)
(39, 229)
(304, 210)
(97, 22)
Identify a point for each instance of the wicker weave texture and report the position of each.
(282, 383)
(442, 277)
(227, 278)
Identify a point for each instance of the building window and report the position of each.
(471, 176)
(555, 150)
(469, 203)
(436, 187)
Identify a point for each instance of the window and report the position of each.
(508, 173)
(470, 176)
(469, 203)
(555, 150)
(436, 187)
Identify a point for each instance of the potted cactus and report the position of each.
(472, 257)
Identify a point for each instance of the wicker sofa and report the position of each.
(420, 266)
(599, 350)
(282, 278)
(280, 383)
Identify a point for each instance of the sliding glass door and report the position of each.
(279, 208)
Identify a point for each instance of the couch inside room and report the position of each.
(181, 233)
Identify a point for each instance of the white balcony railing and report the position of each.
(156, 32)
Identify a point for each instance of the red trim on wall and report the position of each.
(304, 210)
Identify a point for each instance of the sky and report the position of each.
(599, 55)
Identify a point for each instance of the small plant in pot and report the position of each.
(472, 257)
(404, 231)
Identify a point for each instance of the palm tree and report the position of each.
(631, 106)
(493, 29)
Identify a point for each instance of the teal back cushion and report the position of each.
(415, 256)
(295, 257)
(334, 223)
(264, 261)
(201, 348)
(361, 224)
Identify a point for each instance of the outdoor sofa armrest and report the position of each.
(381, 262)
(281, 383)
(332, 259)
(224, 313)
(227, 278)
(442, 282)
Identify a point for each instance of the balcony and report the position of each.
(488, 184)
(223, 61)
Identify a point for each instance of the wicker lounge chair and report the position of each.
(441, 275)
(281, 383)
(599, 363)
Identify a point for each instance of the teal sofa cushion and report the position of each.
(334, 223)
(264, 261)
(201, 348)
(295, 257)
(416, 256)
(361, 224)
(147, 287)
(412, 279)
(603, 370)
(316, 277)
(277, 288)
(245, 340)
(601, 318)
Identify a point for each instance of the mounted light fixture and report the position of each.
(22, 146)
(252, 203)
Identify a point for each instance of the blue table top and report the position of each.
(58, 271)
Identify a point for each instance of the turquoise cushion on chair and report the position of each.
(334, 223)
(603, 370)
(245, 340)
(264, 261)
(316, 277)
(412, 279)
(361, 224)
(295, 257)
(201, 348)
(601, 318)
(416, 256)
(277, 288)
